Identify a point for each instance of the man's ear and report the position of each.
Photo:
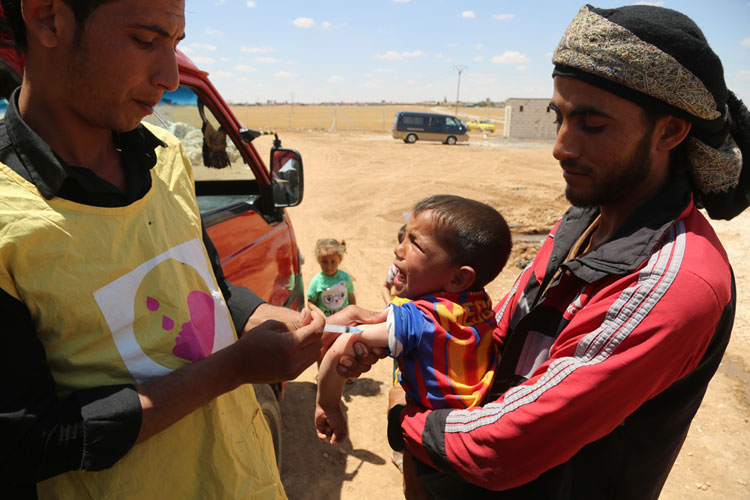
(47, 21)
(463, 280)
(670, 132)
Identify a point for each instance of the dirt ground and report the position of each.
(359, 187)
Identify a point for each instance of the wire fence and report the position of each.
(362, 117)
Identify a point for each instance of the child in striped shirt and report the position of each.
(440, 328)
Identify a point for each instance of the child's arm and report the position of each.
(329, 418)
(352, 299)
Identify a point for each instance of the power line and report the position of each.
(460, 68)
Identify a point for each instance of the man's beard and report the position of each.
(616, 187)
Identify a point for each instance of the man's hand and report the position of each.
(364, 356)
(270, 352)
(275, 350)
(355, 315)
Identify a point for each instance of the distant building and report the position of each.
(529, 119)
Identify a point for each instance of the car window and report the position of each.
(211, 151)
(413, 120)
(451, 122)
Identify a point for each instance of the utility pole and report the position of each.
(460, 68)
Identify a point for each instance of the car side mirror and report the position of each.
(287, 180)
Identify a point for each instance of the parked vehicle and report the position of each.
(242, 202)
(411, 126)
(481, 125)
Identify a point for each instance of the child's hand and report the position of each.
(331, 423)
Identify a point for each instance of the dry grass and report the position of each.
(375, 118)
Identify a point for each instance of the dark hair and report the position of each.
(82, 9)
(473, 233)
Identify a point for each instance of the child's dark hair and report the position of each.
(472, 232)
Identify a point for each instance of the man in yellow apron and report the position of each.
(122, 373)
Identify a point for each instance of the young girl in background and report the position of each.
(331, 289)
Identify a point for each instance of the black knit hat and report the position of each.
(660, 59)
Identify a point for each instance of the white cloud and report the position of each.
(325, 25)
(478, 59)
(185, 49)
(468, 14)
(478, 46)
(202, 60)
(225, 59)
(511, 57)
(438, 55)
(503, 17)
(284, 74)
(393, 55)
(202, 46)
(244, 68)
(375, 83)
(256, 50)
(222, 74)
(522, 68)
(654, 3)
(401, 1)
(251, 4)
(745, 42)
(335, 78)
(303, 22)
(221, 2)
(267, 60)
(213, 32)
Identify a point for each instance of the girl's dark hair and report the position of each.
(82, 9)
(472, 232)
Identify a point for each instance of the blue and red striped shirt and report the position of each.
(444, 348)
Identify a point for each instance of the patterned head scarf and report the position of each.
(659, 59)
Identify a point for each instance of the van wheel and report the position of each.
(450, 140)
(269, 405)
(410, 139)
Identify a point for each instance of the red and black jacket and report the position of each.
(603, 365)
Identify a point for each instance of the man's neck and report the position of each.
(75, 141)
(614, 215)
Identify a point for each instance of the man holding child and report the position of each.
(610, 336)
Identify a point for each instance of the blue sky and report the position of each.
(408, 50)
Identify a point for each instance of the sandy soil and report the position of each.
(359, 187)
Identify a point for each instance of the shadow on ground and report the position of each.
(312, 469)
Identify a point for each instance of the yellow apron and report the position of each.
(124, 295)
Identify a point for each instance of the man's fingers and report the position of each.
(353, 315)
(305, 317)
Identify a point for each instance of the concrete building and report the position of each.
(529, 119)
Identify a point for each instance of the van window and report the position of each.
(417, 121)
(435, 121)
(201, 135)
(451, 122)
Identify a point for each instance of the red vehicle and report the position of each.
(242, 201)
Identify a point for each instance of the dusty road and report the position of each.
(359, 187)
